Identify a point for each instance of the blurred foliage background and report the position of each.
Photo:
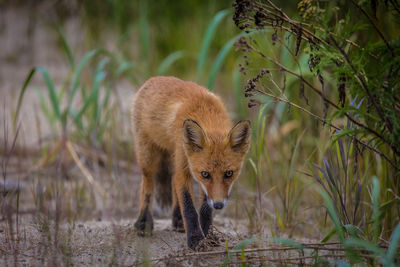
(72, 112)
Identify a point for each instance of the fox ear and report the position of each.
(193, 135)
(239, 136)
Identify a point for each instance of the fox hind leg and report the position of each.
(148, 158)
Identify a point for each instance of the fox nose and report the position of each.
(218, 205)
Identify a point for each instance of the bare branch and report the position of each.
(319, 92)
(374, 25)
(364, 85)
(329, 124)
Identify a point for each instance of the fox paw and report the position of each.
(178, 228)
(144, 224)
(194, 239)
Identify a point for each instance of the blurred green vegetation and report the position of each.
(150, 31)
(298, 173)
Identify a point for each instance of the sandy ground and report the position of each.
(101, 243)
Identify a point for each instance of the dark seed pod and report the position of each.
(301, 92)
(252, 103)
(274, 37)
(259, 19)
(342, 89)
(284, 81)
(298, 39)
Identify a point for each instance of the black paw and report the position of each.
(144, 224)
(177, 221)
(194, 239)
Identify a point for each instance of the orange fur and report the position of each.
(187, 122)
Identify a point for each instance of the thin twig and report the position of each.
(316, 246)
(394, 4)
(376, 27)
(330, 124)
(85, 172)
(364, 85)
(319, 92)
(295, 24)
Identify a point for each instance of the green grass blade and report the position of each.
(66, 47)
(375, 207)
(240, 246)
(205, 44)
(286, 242)
(98, 79)
(123, 67)
(43, 106)
(93, 95)
(144, 33)
(74, 114)
(223, 53)
(218, 63)
(78, 75)
(353, 230)
(359, 243)
(104, 105)
(168, 61)
(392, 251)
(21, 95)
(332, 214)
(341, 263)
(328, 236)
(52, 93)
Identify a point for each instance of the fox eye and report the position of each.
(228, 174)
(205, 174)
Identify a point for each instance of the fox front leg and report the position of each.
(184, 189)
(191, 219)
(205, 214)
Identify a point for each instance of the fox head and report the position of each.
(215, 158)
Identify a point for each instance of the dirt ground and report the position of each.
(101, 243)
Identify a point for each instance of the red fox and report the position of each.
(183, 133)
